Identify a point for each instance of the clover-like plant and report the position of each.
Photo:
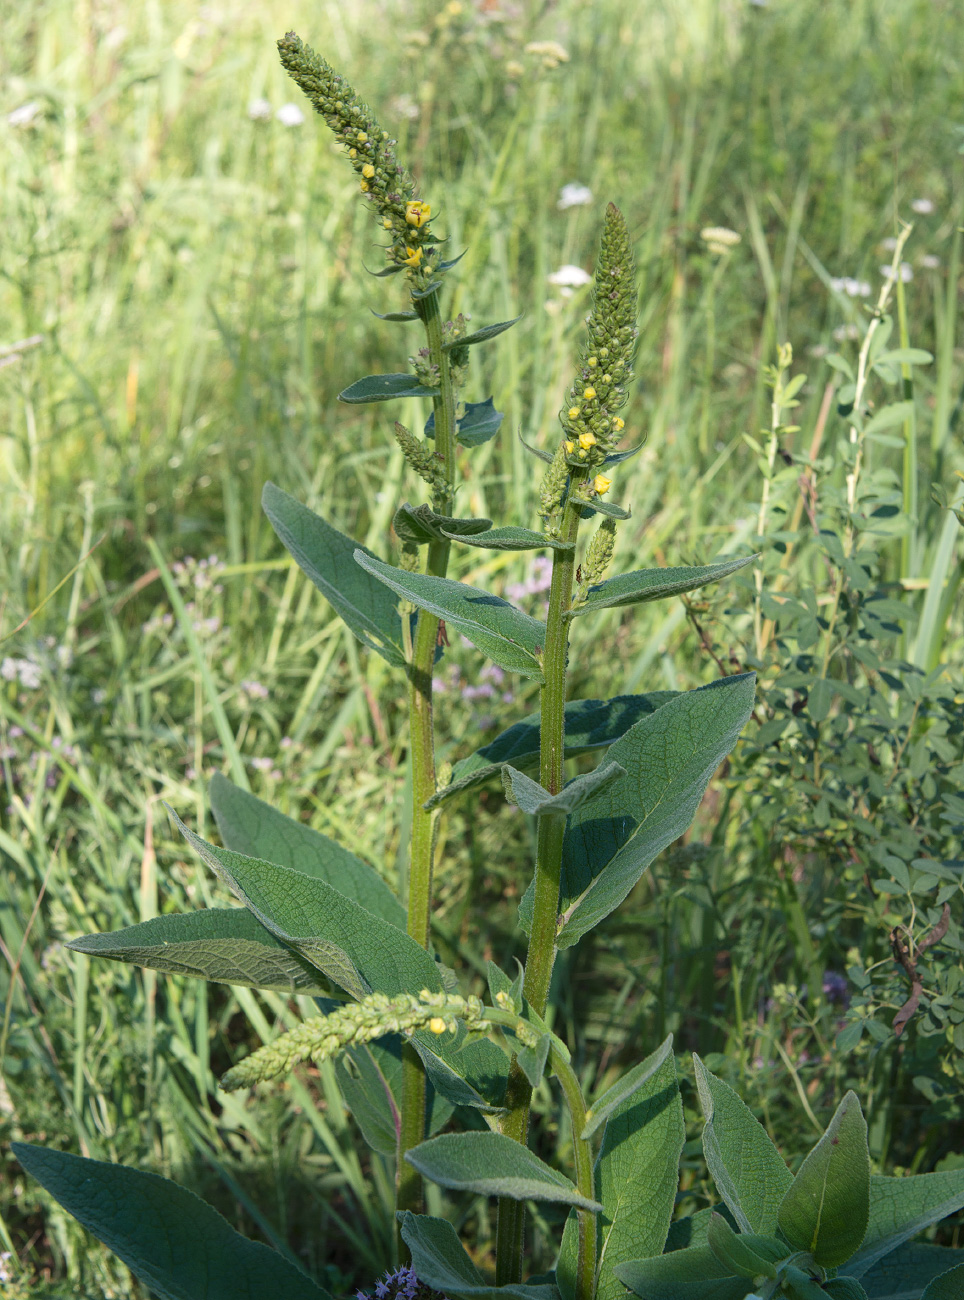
(414, 1052)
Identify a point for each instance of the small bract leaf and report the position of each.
(509, 637)
(617, 457)
(543, 455)
(396, 315)
(601, 507)
(513, 539)
(471, 1073)
(537, 802)
(655, 584)
(844, 1288)
(383, 388)
(480, 422)
(421, 525)
(532, 1060)
(481, 335)
(440, 1261)
(172, 1240)
(691, 1274)
(326, 557)
(493, 1165)
(747, 1254)
(826, 1208)
(625, 1087)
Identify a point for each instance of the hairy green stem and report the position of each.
(542, 938)
(408, 1192)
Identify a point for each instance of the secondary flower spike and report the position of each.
(371, 152)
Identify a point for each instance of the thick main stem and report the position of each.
(408, 1188)
(542, 937)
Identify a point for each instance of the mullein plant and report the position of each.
(413, 1052)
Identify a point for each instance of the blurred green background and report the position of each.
(183, 295)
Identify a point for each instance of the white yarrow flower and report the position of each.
(929, 262)
(570, 277)
(924, 206)
(290, 115)
(905, 272)
(259, 110)
(574, 195)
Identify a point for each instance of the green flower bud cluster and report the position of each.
(421, 458)
(591, 425)
(356, 1022)
(598, 555)
(372, 154)
(552, 494)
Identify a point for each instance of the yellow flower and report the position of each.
(417, 213)
(437, 1025)
(368, 171)
(387, 222)
(362, 137)
(587, 440)
(574, 412)
(618, 424)
(365, 187)
(589, 393)
(570, 446)
(414, 257)
(601, 484)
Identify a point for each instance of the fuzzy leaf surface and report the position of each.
(326, 556)
(654, 584)
(510, 638)
(905, 1273)
(844, 1288)
(372, 1087)
(948, 1286)
(356, 949)
(421, 525)
(225, 944)
(749, 1172)
(383, 388)
(473, 1073)
(637, 1174)
(691, 1274)
(589, 725)
(250, 826)
(480, 422)
(512, 538)
(744, 1253)
(826, 1207)
(535, 800)
(482, 335)
(900, 1208)
(493, 1165)
(172, 1240)
(624, 1088)
(669, 758)
(440, 1260)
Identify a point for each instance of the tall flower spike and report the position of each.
(383, 181)
(356, 1022)
(606, 366)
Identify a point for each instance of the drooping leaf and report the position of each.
(481, 335)
(172, 1240)
(480, 422)
(600, 507)
(473, 1073)
(543, 455)
(493, 1165)
(617, 457)
(749, 1172)
(250, 826)
(637, 1174)
(383, 388)
(907, 1271)
(513, 539)
(440, 1261)
(948, 1286)
(654, 584)
(227, 945)
(826, 1208)
(900, 1208)
(533, 799)
(326, 556)
(624, 1088)
(396, 315)
(691, 1274)
(370, 1078)
(509, 637)
(589, 725)
(358, 950)
(669, 758)
(744, 1253)
(420, 525)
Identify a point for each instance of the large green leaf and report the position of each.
(480, 422)
(654, 584)
(370, 1078)
(744, 1253)
(535, 800)
(175, 1243)
(250, 826)
(826, 1207)
(625, 1087)
(421, 525)
(637, 1174)
(326, 556)
(509, 637)
(440, 1261)
(844, 1288)
(906, 1273)
(383, 388)
(749, 1172)
(669, 758)
(948, 1286)
(493, 1165)
(512, 538)
(358, 950)
(228, 945)
(589, 725)
(691, 1274)
(900, 1208)
(473, 1073)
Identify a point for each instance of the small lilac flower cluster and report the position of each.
(403, 1284)
(199, 574)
